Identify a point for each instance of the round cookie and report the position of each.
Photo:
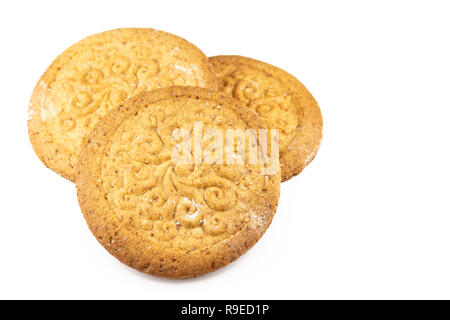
(281, 100)
(98, 73)
(165, 217)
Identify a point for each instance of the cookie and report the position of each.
(96, 75)
(166, 217)
(281, 100)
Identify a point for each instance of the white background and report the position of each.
(369, 218)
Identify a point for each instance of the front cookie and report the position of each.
(281, 100)
(96, 75)
(164, 216)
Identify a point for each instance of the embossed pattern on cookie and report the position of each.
(170, 219)
(281, 100)
(96, 75)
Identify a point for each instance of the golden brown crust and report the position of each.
(98, 73)
(281, 100)
(139, 204)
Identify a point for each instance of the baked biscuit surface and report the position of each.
(97, 74)
(164, 217)
(281, 100)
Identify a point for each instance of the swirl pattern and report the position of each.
(266, 96)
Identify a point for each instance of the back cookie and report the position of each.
(281, 100)
(96, 75)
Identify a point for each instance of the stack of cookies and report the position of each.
(140, 119)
